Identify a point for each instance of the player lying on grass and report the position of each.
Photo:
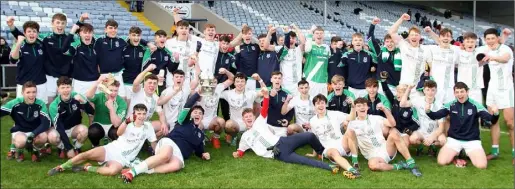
(367, 133)
(186, 138)
(31, 122)
(118, 154)
(327, 126)
(66, 113)
(464, 130)
(264, 143)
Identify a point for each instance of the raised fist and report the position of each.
(376, 21)
(427, 29)
(151, 67)
(10, 21)
(405, 17)
(20, 38)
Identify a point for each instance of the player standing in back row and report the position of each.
(317, 56)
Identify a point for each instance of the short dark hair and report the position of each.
(293, 34)
(246, 111)
(302, 82)
(461, 85)
(469, 35)
(64, 80)
(140, 107)
(387, 36)
(430, 84)
(160, 33)
(86, 28)
(59, 16)
(111, 22)
(491, 31)
(240, 75)
(151, 76)
(361, 100)
(197, 107)
(319, 97)
(182, 23)
(276, 73)
(30, 24)
(178, 72)
(262, 36)
(224, 38)
(335, 39)
(445, 31)
(371, 82)
(28, 84)
(115, 83)
(135, 29)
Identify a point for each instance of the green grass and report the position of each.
(256, 172)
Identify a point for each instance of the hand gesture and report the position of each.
(381, 107)
(494, 109)
(102, 78)
(405, 17)
(192, 61)
(288, 98)
(429, 140)
(373, 69)
(175, 10)
(222, 71)
(286, 29)
(506, 31)
(10, 21)
(176, 56)
(264, 91)
(294, 26)
(74, 29)
(427, 29)
(306, 126)
(349, 101)
(235, 155)
(164, 128)
(206, 156)
(21, 38)
(152, 47)
(256, 77)
(176, 89)
(376, 21)
(83, 17)
(273, 92)
(427, 107)
(109, 103)
(486, 58)
(79, 98)
(150, 68)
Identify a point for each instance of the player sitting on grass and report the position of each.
(366, 131)
(464, 130)
(264, 143)
(66, 113)
(178, 145)
(303, 107)
(31, 122)
(118, 154)
(326, 125)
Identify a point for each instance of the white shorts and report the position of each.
(458, 145)
(476, 95)
(278, 131)
(128, 91)
(114, 153)
(165, 141)
(445, 95)
(358, 92)
(502, 98)
(317, 88)
(41, 92)
(15, 133)
(118, 77)
(382, 153)
(69, 131)
(251, 85)
(51, 86)
(291, 87)
(81, 87)
(336, 145)
(206, 121)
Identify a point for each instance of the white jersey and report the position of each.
(413, 63)
(369, 134)
(469, 71)
(427, 125)
(150, 102)
(304, 109)
(238, 102)
(259, 138)
(131, 141)
(185, 50)
(328, 129)
(207, 55)
(291, 66)
(442, 65)
(210, 103)
(175, 104)
(500, 73)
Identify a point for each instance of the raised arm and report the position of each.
(266, 102)
(230, 77)
(15, 52)
(504, 36)
(286, 106)
(374, 46)
(90, 94)
(395, 27)
(267, 44)
(404, 103)
(136, 85)
(309, 40)
(123, 126)
(390, 120)
(443, 112)
(432, 34)
(184, 114)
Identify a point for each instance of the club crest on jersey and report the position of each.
(469, 111)
(166, 58)
(253, 48)
(283, 99)
(140, 54)
(267, 55)
(227, 61)
(36, 113)
(74, 107)
(365, 59)
(199, 135)
(116, 44)
(40, 52)
(405, 114)
(344, 103)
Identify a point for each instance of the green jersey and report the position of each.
(317, 57)
(101, 111)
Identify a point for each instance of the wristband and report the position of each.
(240, 153)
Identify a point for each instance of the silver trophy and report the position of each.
(207, 84)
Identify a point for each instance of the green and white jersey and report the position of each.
(469, 71)
(149, 101)
(369, 134)
(259, 138)
(291, 66)
(317, 57)
(427, 125)
(442, 65)
(101, 111)
(413, 62)
(131, 141)
(500, 73)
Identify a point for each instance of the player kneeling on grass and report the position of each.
(66, 113)
(186, 138)
(31, 122)
(264, 143)
(464, 130)
(366, 131)
(119, 153)
(326, 125)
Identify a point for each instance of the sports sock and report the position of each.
(12, 147)
(411, 163)
(78, 145)
(354, 158)
(216, 135)
(495, 149)
(67, 165)
(397, 166)
(150, 171)
(351, 169)
(140, 168)
(92, 169)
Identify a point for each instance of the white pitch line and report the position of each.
(502, 132)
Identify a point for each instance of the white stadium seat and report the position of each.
(37, 9)
(23, 4)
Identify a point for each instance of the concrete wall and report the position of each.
(164, 19)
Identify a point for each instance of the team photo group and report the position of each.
(269, 94)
